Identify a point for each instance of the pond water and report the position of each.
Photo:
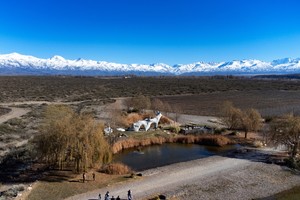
(160, 155)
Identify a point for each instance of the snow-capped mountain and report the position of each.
(15, 63)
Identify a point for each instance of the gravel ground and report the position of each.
(215, 177)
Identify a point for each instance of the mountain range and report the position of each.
(17, 64)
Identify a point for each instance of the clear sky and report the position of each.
(152, 31)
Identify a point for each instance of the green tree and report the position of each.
(68, 138)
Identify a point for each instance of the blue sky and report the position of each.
(151, 31)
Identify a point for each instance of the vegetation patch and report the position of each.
(4, 111)
(116, 169)
(213, 140)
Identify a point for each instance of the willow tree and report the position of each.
(75, 140)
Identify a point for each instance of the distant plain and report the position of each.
(194, 95)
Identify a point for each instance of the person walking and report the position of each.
(83, 177)
(99, 196)
(94, 176)
(106, 197)
(129, 195)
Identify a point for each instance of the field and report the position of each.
(268, 103)
(195, 95)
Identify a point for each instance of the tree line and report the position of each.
(283, 130)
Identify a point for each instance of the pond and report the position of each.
(161, 155)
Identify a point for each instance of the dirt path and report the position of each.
(18, 112)
(210, 178)
(15, 112)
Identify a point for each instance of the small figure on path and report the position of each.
(94, 176)
(106, 196)
(129, 195)
(99, 196)
(118, 198)
(83, 177)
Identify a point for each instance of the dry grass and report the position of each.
(212, 140)
(53, 190)
(117, 169)
(131, 143)
(165, 120)
(131, 118)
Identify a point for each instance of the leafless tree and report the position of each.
(286, 130)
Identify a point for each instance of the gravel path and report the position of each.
(215, 177)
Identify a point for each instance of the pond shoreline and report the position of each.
(215, 177)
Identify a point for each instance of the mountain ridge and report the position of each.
(16, 63)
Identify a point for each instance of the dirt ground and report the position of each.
(214, 177)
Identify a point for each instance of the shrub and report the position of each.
(219, 130)
(258, 144)
(165, 120)
(117, 169)
(131, 118)
(173, 129)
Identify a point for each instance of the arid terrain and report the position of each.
(24, 99)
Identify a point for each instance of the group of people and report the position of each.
(106, 197)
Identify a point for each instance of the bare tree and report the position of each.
(157, 105)
(286, 130)
(177, 111)
(139, 103)
(235, 118)
(231, 115)
(250, 120)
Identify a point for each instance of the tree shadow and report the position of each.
(260, 155)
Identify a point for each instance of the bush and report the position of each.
(116, 169)
(258, 144)
(165, 120)
(293, 163)
(131, 118)
(219, 130)
(173, 129)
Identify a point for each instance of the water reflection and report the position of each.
(160, 155)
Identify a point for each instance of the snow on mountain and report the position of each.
(15, 63)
